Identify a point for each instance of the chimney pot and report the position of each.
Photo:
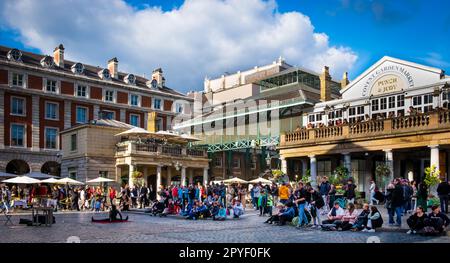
(58, 56)
(344, 81)
(325, 85)
(158, 76)
(113, 67)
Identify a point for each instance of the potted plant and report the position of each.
(138, 178)
(432, 179)
(382, 171)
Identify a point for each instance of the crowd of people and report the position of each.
(301, 204)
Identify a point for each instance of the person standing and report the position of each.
(324, 190)
(422, 196)
(398, 201)
(443, 190)
(283, 193)
(373, 190)
(300, 200)
(274, 192)
(350, 191)
(256, 195)
(112, 195)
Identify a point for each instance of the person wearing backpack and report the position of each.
(317, 203)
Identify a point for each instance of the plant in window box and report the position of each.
(138, 178)
(383, 171)
(339, 176)
(432, 179)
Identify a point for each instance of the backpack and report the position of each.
(294, 221)
(429, 231)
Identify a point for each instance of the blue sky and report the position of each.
(358, 32)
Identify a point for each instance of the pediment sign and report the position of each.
(390, 75)
(387, 79)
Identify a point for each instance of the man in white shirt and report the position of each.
(336, 213)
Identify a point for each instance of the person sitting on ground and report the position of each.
(113, 213)
(186, 208)
(222, 213)
(193, 214)
(276, 218)
(361, 220)
(416, 221)
(157, 208)
(335, 214)
(349, 218)
(438, 220)
(238, 209)
(214, 210)
(287, 215)
(374, 220)
(203, 210)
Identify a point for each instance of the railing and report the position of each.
(121, 148)
(426, 122)
(135, 147)
(412, 121)
(171, 150)
(327, 132)
(196, 152)
(367, 127)
(146, 147)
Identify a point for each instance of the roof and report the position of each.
(33, 59)
(395, 60)
(103, 123)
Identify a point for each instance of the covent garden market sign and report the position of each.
(387, 79)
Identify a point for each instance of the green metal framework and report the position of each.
(243, 144)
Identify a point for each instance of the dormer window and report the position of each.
(104, 74)
(14, 55)
(152, 83)
(130, 79)
(47, 62)
(77, 68)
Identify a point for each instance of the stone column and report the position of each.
(118, 174)
(183, 176)
(205, 176)
(313, 170)
(35, 123)
(158, 180)
(283, 165)
(389, 159)
(67, 114)
(130, 175)
(434, 157)
(191, 175)
(169, 175)
(348, 162)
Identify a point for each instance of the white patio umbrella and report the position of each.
(67, 180)
(137, 131)
(260, 180)
(235, 180)
(22, 180)
(189, 138)
(100, 180)
(50, 181)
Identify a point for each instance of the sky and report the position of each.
(194, 39)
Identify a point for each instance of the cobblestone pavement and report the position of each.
(144, 228)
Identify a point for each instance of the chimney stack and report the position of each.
(58, 56)
(158, 75)
(344, 81)
(113, 67)
(325, 87)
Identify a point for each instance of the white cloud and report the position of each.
(202, 37)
